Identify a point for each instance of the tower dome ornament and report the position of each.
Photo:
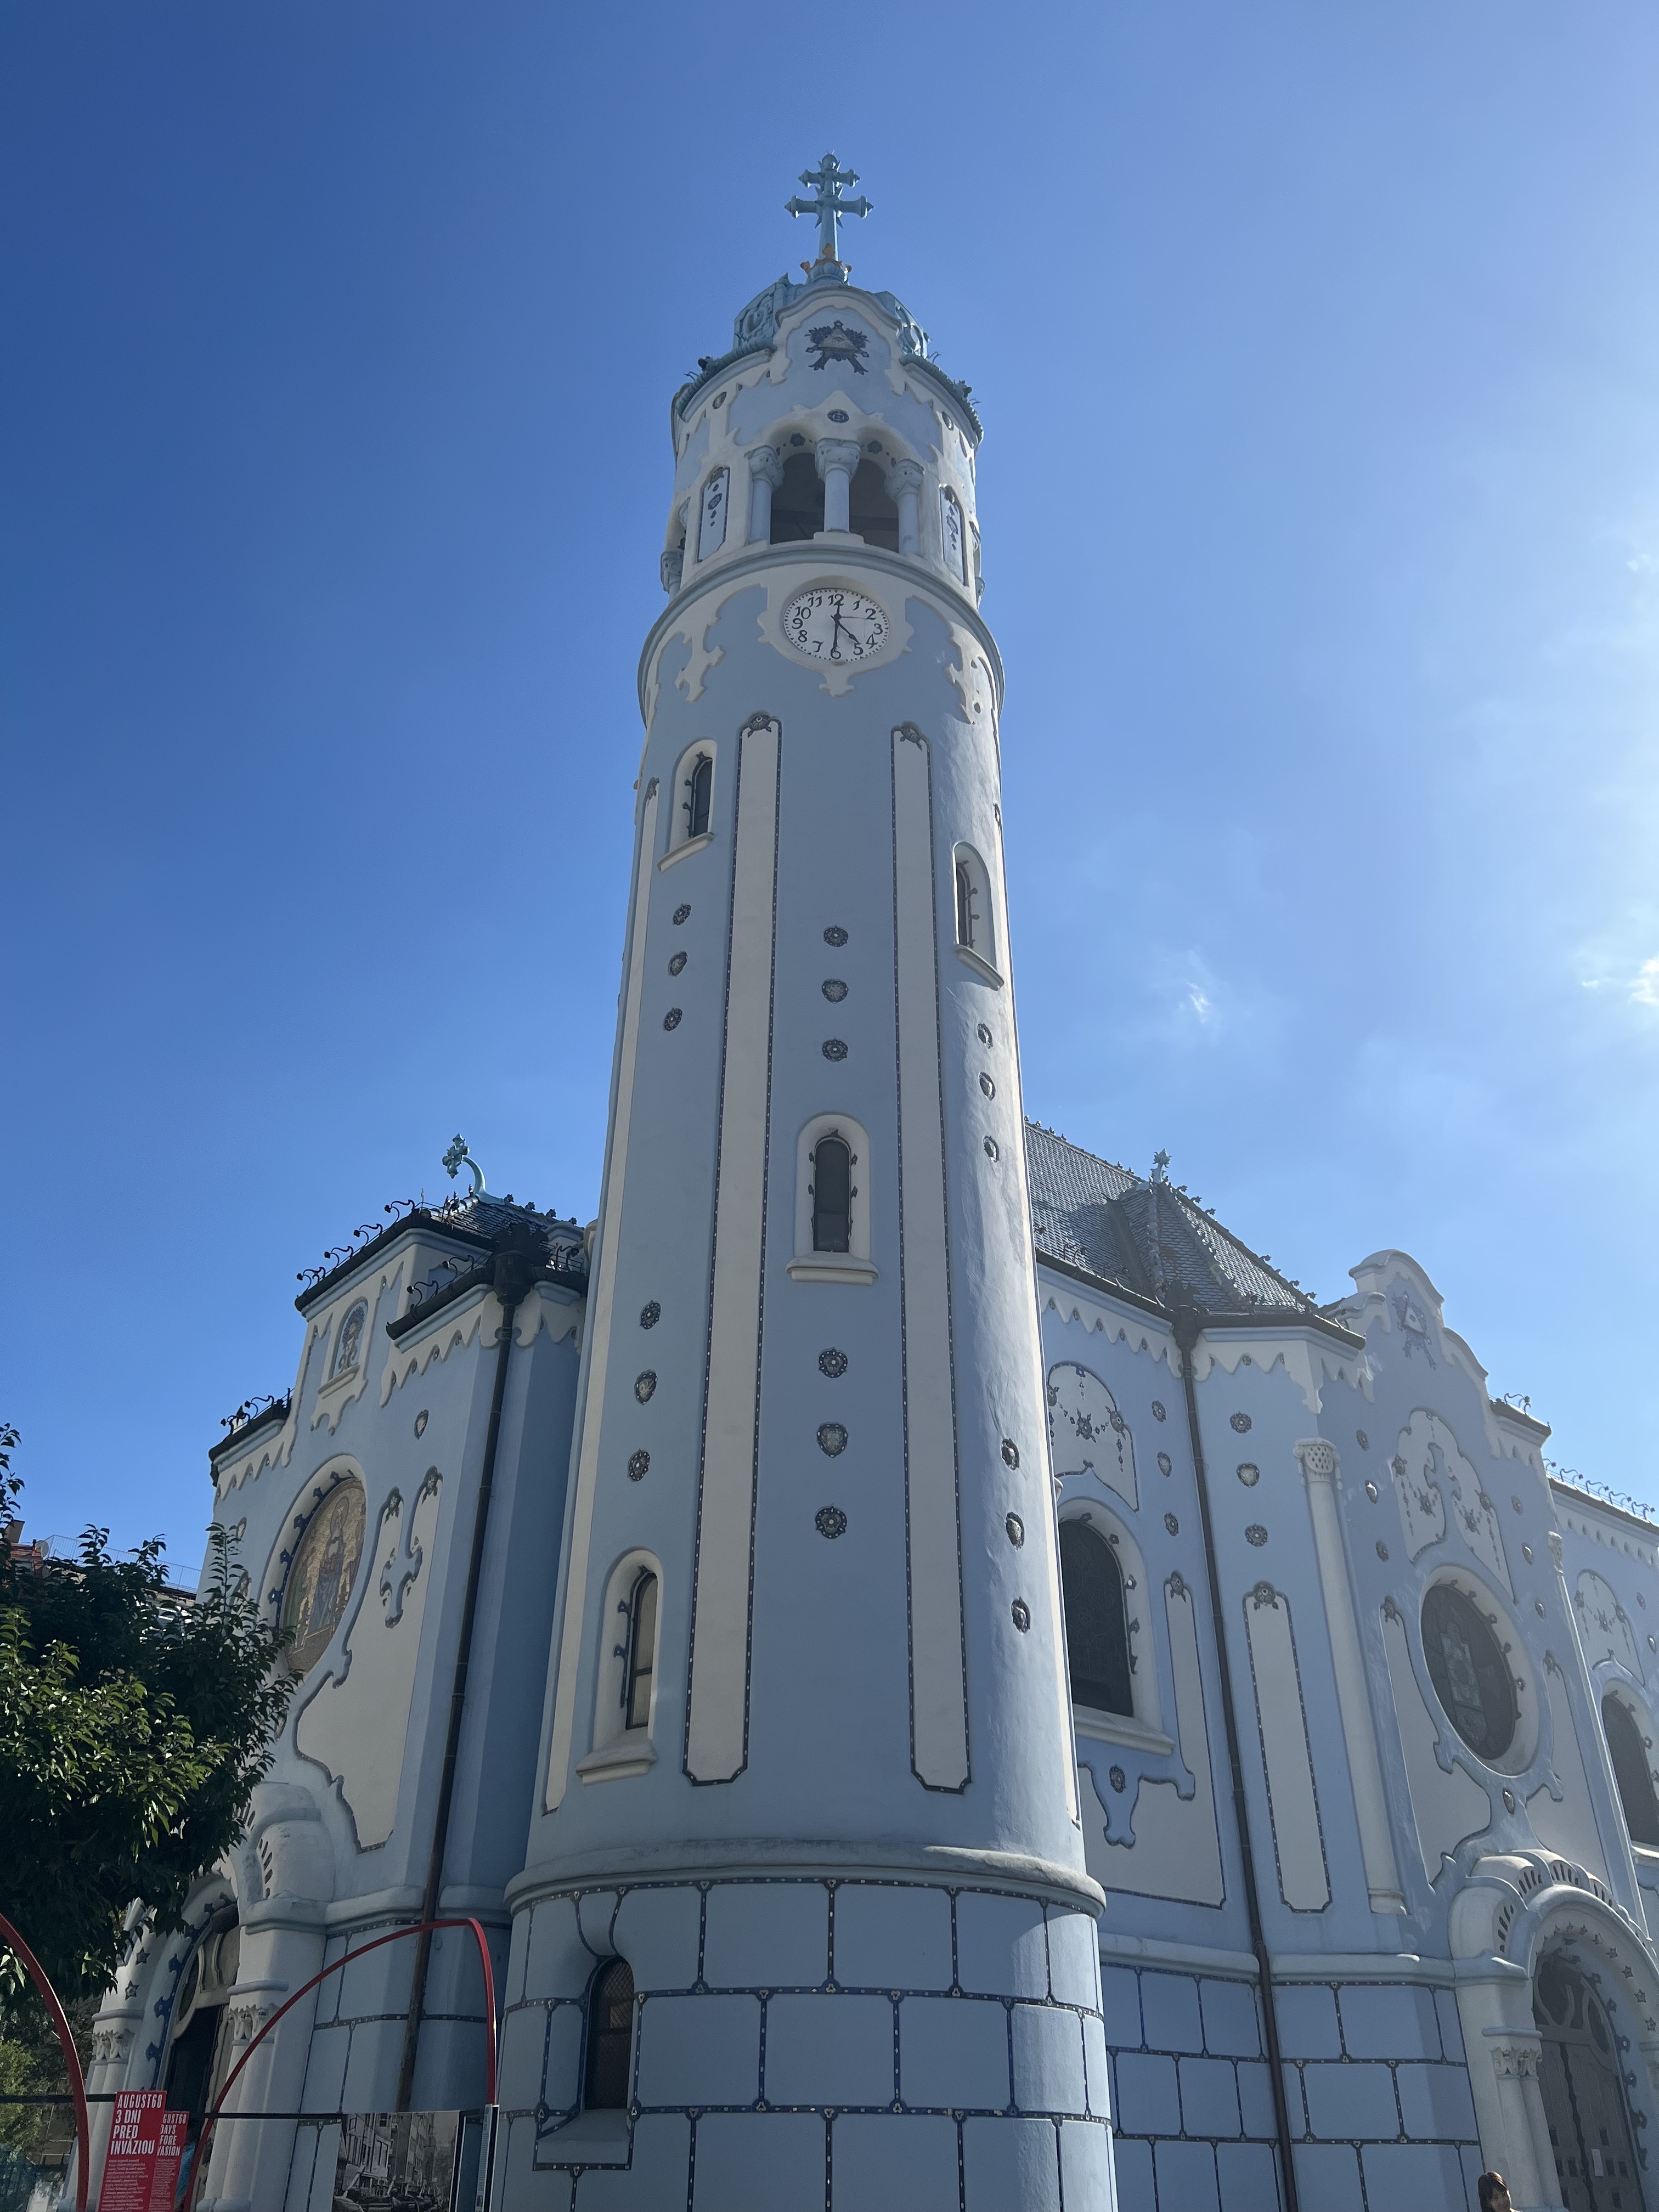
(829, 207)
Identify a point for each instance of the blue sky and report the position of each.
(1318, 350)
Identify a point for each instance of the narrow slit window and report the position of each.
(640, 1658)
(832, 1195)
(1097, 1625)
(701, 788)
(609, 2038)
(967, 905)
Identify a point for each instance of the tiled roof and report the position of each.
(1148, 1236)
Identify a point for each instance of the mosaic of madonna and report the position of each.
(324, 1575)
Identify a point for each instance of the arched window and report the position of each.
(1631, 1770)
(606, 2081)
(967, 915)
(350, 1345)
(691, 815)
(701, 788)
(975, 935)
(873, 515)
(832, 1194)
(798, 502)
(640, 1655)
(630, 1631)
(1470, 1674)
(951, 536)
(832, 1197)
(1096, 1629)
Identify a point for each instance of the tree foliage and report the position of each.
(133, 1728)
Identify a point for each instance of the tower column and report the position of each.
(904, 489)
(837, 458)
(765, 474)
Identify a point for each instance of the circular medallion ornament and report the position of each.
(650, 1314)
(1010, 1452)
(832, 1439)
(681, 914)
(835, 1049)
(672, 1018)
(1165, 1464)
(829, 1521)
(1158, 1413)
(987, 1086)
(638, 1466)
(677, 964)
(1172, 1524)
(1022, 1614)
(1241, 1422)
(420, 1422)
(1016, 1529)
(834, 989)
(991, 1152)
(1256, 1535)
(1119, 1780)
(1470, 1674)
(984, 1034)
(1249, 1474)
(644, 1386)
(1365, 1441)
(1381, 1549)
(831, 623)
(834, 934)
(832, 1364)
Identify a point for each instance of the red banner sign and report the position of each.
(140, 2172)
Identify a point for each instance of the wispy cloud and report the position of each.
(1644, 984)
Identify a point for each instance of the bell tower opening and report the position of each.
(798, 502)
(875, 515)
(1581, 2078)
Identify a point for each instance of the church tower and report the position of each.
(804, 1920)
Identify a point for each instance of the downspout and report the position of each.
(511, 1274)
(1188, 1326)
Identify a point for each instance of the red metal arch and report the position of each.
(71, 2059)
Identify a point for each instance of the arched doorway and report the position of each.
(1581, 2078)
(199, 2054)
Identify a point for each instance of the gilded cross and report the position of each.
(829, 206)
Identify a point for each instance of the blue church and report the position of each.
(950, 1684)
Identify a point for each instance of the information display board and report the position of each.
(146, 2142)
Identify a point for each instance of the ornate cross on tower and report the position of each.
(829, 206)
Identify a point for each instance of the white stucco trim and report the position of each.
(603, 1303)
(938, 1689)
(717, 1703)
(683, 852)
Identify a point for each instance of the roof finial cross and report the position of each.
(829, 206)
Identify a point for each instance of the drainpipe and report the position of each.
(1188, 1326)
(512, 1275)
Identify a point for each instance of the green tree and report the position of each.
(133, 1728)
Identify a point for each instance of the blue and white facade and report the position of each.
(966, 1661)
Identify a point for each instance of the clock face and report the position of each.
(830, 623)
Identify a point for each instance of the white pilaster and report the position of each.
(1319, 1471)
